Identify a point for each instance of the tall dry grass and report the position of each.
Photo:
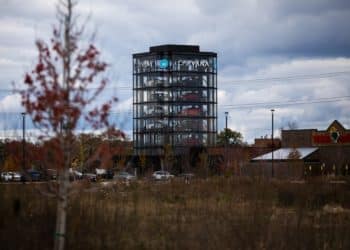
(216, 213)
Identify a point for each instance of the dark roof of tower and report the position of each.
(175, 48)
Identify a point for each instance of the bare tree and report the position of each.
(58, 94)
(203, 163)
(292, 125)
(168, 158)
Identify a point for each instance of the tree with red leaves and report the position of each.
(12, 154)
(59, 93)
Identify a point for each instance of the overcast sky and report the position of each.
(271, 51)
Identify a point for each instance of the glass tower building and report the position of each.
(174, 99)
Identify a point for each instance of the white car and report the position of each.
(6, 176)
(162, 175)
(75, 175)
(16, 176)
(124, 176)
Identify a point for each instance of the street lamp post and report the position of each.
(272, 143)
(226, 139)
(23, 140)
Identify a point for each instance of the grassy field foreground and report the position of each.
(217, 213)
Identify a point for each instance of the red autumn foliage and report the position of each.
(61, 90)
(50, 100)
(39, 68)
(34, 155)
(28, 80)
(58, 94)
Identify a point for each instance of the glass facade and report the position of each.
(174, 99)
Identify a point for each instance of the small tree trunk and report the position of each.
(162, 164)
(62, 201)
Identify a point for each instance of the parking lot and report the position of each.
(100, 176)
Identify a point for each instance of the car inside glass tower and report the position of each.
(174, 99)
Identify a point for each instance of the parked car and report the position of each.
(34, 175)
(124, 176)
(90, 177)
(191, 112)
(6, 176)
(51, 174)
(104, 173)
(162, 175)
(190, 97)
(109, 174)
(16, 176)
(75, 175)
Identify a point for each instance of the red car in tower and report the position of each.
(191, 112)
(190, 97)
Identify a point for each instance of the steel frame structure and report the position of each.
(174, 99)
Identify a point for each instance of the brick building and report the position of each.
(306, 152)
(233, 158)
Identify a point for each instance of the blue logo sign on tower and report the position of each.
(164, 63)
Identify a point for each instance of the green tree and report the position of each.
(230, 136)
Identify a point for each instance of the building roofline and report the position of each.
(316, 130)
(175, 49)
(336, 122)
(201, 53)
(298, 130)
(280, 154)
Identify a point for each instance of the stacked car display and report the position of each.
(175, 98)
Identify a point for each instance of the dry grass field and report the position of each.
(216, 213)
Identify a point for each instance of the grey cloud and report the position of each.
(255, 121)
(280, 8)
(245, 29)
(32, 10)
(310, 7)
(253, 39)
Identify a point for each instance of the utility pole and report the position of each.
(272, 144)
(226, 140)
(23, 140)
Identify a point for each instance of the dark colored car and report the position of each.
(32, 175)
(51, 174)
(90, 177)
(109, 174)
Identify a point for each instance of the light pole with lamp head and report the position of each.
(226, 139)
(272, 144)
(23, 140)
